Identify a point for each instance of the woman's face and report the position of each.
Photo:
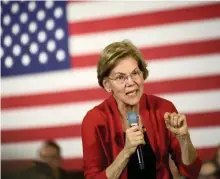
(126, 82)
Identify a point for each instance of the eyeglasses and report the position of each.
(122, 78)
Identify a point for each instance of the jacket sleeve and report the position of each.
(93, 152)
(188, 171)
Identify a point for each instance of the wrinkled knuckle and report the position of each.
(176, 117)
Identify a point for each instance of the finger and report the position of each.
(138, 142)
(141, 128)
(175, 121)
(171, 119)
(135, 133)
(167, 123)
(142, 142)
(133, 128)
(136, 138)
(181, 120)
(166, 115)
(138, 133)
(167, 119)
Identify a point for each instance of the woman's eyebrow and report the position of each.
(124, 73)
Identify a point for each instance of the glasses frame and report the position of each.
(126, 76)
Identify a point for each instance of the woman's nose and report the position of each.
(129, 80)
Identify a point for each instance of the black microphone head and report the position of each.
(132, 118)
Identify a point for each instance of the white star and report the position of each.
(15, 29)
(34, 48)
(16, 50)
(24, 38)
(14, 8)
(50, 24)
(43, 58)
(58, 12)
(41, 36)
(6, 20)
(40, 15)
(32, 27)
(51, 45)
(60, 55)
(59, 34)
(25, 60)
(31, 6)
(8, 62)
(7, 40)
(49, 4)
(23, 17)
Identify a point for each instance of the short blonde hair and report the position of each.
(113, 53)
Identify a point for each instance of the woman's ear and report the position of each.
(107, 85)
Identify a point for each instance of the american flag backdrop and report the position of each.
(49, 52)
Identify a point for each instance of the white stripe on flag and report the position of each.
(82, 11)
(205, 137)
(71, 147)
(195, 102)
(146, 36)
(69, 114)
(66, 80)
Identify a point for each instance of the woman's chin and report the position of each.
(132, 101)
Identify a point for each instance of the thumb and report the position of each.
(166, 116)
(167, 124)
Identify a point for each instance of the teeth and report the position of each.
(132, 93)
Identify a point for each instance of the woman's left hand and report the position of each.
(176, 123)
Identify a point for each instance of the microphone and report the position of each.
(133, 121)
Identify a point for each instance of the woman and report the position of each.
(109, 143)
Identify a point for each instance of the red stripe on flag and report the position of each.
(146, 19)
(168, 86)
(203, 119)
(33, 134)
(76, 164)
(183, 85)
(207, 153)
(41, 133)
(160, 52)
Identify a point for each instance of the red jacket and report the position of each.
(102, 138)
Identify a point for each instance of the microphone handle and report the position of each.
(139, 152)
(140, 157)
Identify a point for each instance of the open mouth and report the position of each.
(132, 93)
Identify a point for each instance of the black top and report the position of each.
(149, 172)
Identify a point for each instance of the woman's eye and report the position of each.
(120, 77)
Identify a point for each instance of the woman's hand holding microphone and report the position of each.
(134, 137)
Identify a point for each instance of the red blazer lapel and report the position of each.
(116, 131)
